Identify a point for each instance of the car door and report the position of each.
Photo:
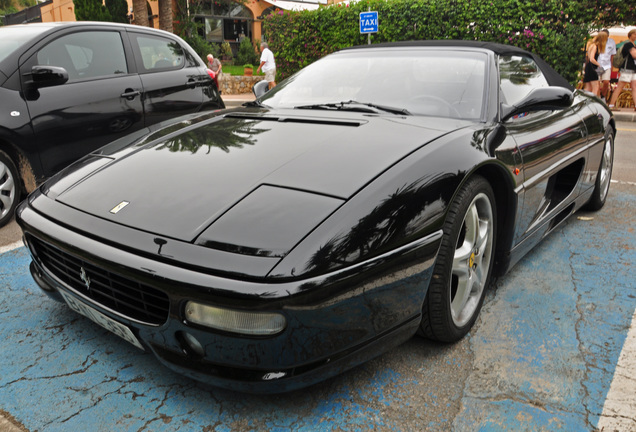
(552, 145)
(100, 102)
(173, 81)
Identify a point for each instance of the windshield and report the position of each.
(14, 37)
(400, 82)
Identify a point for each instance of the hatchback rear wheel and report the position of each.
(9, 191)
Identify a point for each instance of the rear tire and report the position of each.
(604, 176)
(9, 188)
(464, 264)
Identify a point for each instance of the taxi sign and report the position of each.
(368, 22)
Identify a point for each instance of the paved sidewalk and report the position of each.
(625, 114)
(236, 100)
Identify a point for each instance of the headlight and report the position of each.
(248, 323)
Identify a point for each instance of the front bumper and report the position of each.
(334, 321)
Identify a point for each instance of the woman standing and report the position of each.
(592, 66)
(216, 67)
(628, 71)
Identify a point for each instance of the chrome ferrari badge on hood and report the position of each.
(118, 207)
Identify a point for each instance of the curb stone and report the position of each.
(626, 116)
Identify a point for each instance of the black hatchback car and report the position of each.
(67, 89)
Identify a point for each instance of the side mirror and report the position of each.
(47, 76)
(546, 98)
(260, 88)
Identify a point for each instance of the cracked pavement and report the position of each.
(550, 351)
(541, 357)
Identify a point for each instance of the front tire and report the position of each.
(9, 190)
(464, 264)
(602, 184)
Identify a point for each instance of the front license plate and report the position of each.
(109, 324)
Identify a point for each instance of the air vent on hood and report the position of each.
(294, 119)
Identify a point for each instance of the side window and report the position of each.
(518, 76)
(158, 53)
(85, 55)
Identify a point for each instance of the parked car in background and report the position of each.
(67, 89)
(367, 198)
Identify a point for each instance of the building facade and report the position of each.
(222, 20)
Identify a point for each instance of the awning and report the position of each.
(297, 5)
(620, 31)
(619, 34)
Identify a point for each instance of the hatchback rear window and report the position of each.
(159, 53)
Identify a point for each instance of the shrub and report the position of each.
(553, 29)
(226, 50)
(91, 10)
(246, 53)
(118, 10)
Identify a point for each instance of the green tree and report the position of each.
(6, 8)
(118, 10)
(165, 15)
(192, 31)
(140, 12)
(91, 10)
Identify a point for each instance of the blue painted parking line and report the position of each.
(542, 357)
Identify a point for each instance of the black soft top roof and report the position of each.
(552, 76)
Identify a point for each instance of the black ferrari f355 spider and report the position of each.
(369, 197)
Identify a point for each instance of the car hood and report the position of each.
(235, 175)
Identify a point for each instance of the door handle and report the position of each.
(192, 83)
(130, 94)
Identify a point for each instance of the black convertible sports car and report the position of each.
(367, 198)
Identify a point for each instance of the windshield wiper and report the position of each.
(254, 103)
(386, 108)
(353, 105)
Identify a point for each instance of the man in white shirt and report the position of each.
(268, 64)
(605, 60)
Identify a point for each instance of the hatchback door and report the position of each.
(100, 102)
(174, 82)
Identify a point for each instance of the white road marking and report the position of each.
(623, 182)
(620, 403)
(11, 246)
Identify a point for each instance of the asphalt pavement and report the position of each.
(542, 356)
(554, 349)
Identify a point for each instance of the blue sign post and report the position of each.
(368, 23)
